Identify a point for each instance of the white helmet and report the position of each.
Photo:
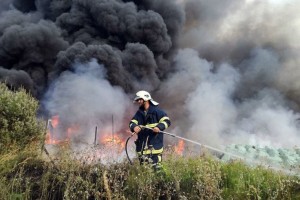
(145, 96)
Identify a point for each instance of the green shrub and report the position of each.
(18, 121)
(244, 182)
(196, 177)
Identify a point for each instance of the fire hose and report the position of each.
(182, 138)
(214, 149)
(197, 143)
(126, 144)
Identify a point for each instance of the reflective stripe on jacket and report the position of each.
(149, 142)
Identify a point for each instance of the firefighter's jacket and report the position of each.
(147, 141)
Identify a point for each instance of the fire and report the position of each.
(113, 140)
(71, 130)
(106, 146)
(51, 140)
(54, 121)
(180, 147)
(52, 125)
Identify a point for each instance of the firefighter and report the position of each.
(149, 143)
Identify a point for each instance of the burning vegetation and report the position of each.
(106, 146)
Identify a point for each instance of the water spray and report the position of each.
(182, 138)
(214, 149)
(197, 143)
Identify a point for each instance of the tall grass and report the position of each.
(28, 174)
(243, 182)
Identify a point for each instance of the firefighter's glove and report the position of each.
(137, 129)
(156, 130)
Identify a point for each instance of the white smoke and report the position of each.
(235, 79)
(84, 99)
(212, 114)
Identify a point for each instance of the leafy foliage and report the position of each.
(244, 182)
(18, 122)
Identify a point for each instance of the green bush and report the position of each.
(244, 182)
(18, 121)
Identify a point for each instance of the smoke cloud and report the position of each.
(241, 94)
(16, 79)
(225, 71)
(84, 99)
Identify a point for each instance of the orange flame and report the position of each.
(52, 125)
(113, 140)
(55, 121)
(71, 130)
(179, 148)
